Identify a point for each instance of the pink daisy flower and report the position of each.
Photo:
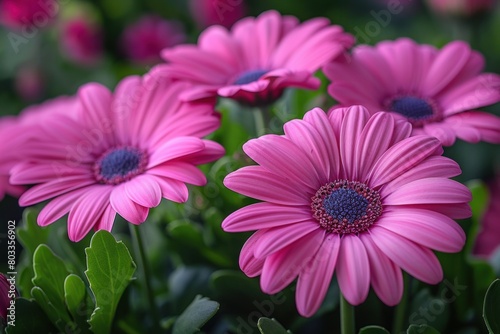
(123, 153)
(28, 14)
(488, 239)
(348, 194)
(257, 59)
(81, 40)
(436, 90)
(15, 132)
(143, 40)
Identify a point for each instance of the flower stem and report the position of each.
(146, 273)
(260, 121)
(347, 325)
(400, 312)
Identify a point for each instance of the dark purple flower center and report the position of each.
(249, 76)
(413, 108)
(345, 207)
(119, 164)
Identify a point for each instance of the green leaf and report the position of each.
(195, 316)
(270, 326)
(30, 234)
(491, 307)
(75, 294)
(50, 274)
(373, 330)
(421, 329)
(109, 271)
(30, 319)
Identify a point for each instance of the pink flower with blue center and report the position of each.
(350, 195)
(121, 153)
(257, 59)
(438, 91)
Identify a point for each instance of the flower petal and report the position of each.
(353, 270)
(418, 261)
(125, 207)
(182, 171)
(264, 215)
(143, 190)
(315, 279)
(249, 264)
(354, 121)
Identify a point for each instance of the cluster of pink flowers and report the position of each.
(361, 191)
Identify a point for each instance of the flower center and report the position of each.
(119, 165)
(345, 207)
(249, 76)
(413, 108)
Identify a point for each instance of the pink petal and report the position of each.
(429, 191)
(315, 279)
(282, 267)
(434, 166)
(444, 133)
(256, 182)
(386, 277)
(264, 215)
(450, 60)
(56, 187)
(471, 125)
(125, 207)
(59, 206)
(29, 173)
(402, 157)
(452, 210)
(211, 152)
(277, 238)
(353, 270)
(418, 261)
(375, 139)
(354, 121)
(282, 157)
(175, 148)
(87, 210)
(143, 190)
(124, 104)
(249, 264)
(107, 220)
(172, 190)
(427, 228)
(184, 172)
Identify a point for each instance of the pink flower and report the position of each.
(143, 40)
(221, 12)
(28, 14)
(488, 239)
(15, 132)
(461, 7)
(82, 40)
(5, 296)
(255, 61)
(350, 194)
(436, 90)
(122, 153)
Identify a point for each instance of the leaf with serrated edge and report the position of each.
(195, 316)
(50, 274)
(109, 271)
(271, 326)
(491, 307)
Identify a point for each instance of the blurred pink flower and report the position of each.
(82, 40)
(28, 14)
(488, 238)
(461, 7)
(29, 83)
(221, 12)
(123, 153)
(16, 131)
(436, 90)
(350, 194)
(143, 40)
(255, 61)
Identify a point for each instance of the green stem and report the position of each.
(260, 121)
(400, 312)
(347, 325)
(146, 273)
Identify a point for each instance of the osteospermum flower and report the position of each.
(257, 59)
(123, 153)
(436, 90)
(351, 195)
(488, 238)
